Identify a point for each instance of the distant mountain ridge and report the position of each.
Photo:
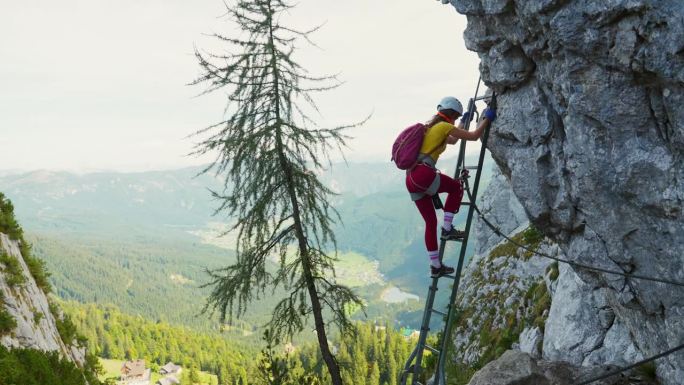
(60, 201)
(126, 234)
(90, 203)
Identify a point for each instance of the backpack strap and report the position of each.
(426, 158)
(423, 156)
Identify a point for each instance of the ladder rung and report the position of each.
(471, 167)
(465, 203)
(448, 276)
(439, 312)
(430, 348)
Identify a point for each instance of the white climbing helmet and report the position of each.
(450, 103)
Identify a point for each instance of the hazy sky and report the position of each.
(101, 84)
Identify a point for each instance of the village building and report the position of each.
(289, 348)
(410, 334)
(170, 368)
(135, 373)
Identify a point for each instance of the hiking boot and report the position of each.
(436, 272)
(453, 234)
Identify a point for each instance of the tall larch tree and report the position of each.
(268, 149)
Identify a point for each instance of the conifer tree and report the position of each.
(374, 378)
(278, 370)
(269, 149)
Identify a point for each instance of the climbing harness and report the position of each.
(413, 366)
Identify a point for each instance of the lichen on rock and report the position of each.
(504, 294)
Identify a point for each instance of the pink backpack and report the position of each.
(407, 146)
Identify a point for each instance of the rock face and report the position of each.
(501, 206)
(582, 327)
(518, 368)
(503, 291)
(590, 136)
(28, 305)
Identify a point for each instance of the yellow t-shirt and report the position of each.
(433, 137)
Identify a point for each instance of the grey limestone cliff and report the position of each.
(579, 324)
(590, 136)
(500, 206)
(27, 304)
(519, 368)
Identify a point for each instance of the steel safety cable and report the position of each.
(616, 371)
(632, 366)
(499, 232)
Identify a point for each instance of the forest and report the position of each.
(373, 355)
(34, 367)
(31, 366)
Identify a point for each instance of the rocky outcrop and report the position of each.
(505, 294)
(518, 368)
(504, 298)
(27, 304)
(582, 327)
(501, 206)
(579, 326)
(590, 136)
(506, 290)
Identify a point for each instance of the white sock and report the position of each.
(434, 259)
(448, 219)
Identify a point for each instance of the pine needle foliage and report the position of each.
(275, 369)
(268, 149)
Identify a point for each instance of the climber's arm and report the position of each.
(458, 132)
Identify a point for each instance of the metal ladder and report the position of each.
(413, 364)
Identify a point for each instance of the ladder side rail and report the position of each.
(424, 328)
(460, 163)
(464, 245)
(417, 353)
(460, 160)
(449, 319)
(407, 367)
(429, 303)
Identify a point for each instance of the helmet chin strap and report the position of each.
(443, 115)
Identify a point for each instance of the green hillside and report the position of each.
(30, 366)
(114, 205)
(112, 334)
(142, 241)
(156, 279)
(375, 353)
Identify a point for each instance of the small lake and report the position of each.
(394, 294)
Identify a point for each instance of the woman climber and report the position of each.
(424, 180)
